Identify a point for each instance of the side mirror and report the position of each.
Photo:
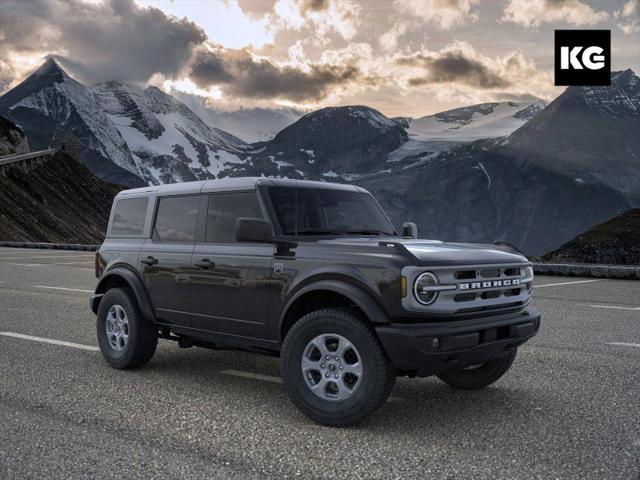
(409, 230)
(253, 230)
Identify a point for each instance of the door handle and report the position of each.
(149, 261)
(205, 263)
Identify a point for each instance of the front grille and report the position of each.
(491, 289)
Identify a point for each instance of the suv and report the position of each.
(313, 272)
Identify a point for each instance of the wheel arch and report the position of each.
(124, 277)
(329, 293)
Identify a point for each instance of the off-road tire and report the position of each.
(378, 376)
(480, 377)
(142, 334)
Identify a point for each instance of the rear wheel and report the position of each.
(479, 376)
(334, 369)
(126, 338)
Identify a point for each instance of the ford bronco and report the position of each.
(316, 274)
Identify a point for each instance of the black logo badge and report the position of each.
(583, 57)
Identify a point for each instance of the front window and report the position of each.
(319, 211)
(224, 210)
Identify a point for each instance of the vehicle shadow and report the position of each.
(414, 404)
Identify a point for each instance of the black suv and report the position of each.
(313, 272)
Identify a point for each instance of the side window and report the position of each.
(176, 219)
(128, 216)
(225, 209)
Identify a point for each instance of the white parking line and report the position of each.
(64, 288)
(50, 341)
(48, 264)
(567, 283)
(623, 344)
(614, 307)
(253, 376)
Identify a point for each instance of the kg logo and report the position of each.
(583, 57)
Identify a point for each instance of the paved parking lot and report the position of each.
(569, 408)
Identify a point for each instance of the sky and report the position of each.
(402, 57)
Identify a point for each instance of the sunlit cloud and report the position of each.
(445, 14)
(532, 13)
(224, 22)
(628, 17)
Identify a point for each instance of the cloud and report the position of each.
(389, 39)
(443, 13)
(458, 63)
(111, 40)
(239, 73)
(458, 70)
(323, 17)
(628, 17)
(532, 13)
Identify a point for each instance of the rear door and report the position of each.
(231, 281)
(166, 257)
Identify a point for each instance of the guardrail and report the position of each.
(50, 246)
(588, 270)
(26, 158)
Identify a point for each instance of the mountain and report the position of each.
(462, 175)
(573, 165)
(614, 242)
(168, 142)
(250, 124)
(129, 135)
(476, 193)
(56, 200)
(50, 105)
(12, 139)
(590, 134)
(330, 144)
(466, 124)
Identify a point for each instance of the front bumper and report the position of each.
(429, 348)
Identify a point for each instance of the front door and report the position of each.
(166, 258)
(231, 281)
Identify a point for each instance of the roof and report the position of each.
(231, 184)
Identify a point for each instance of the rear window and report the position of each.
(176, 219)
(129, 215)
(225, 209)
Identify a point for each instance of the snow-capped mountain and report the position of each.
(167, 140)
(590, 134)
(130, 135)
(333, 144)
(573, 165)
(49, 105)
(466, 124)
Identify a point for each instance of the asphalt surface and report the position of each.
(569, 408)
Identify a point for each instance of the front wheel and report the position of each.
(479, 376)
(334, 369)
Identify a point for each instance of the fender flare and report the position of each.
(134, 282)
(369, 305)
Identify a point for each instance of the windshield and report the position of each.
(318, 211)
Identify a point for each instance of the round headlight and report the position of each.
(528, 275)
(422, 290)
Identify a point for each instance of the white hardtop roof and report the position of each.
(231, 184)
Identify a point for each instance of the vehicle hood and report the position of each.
(437, 253)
